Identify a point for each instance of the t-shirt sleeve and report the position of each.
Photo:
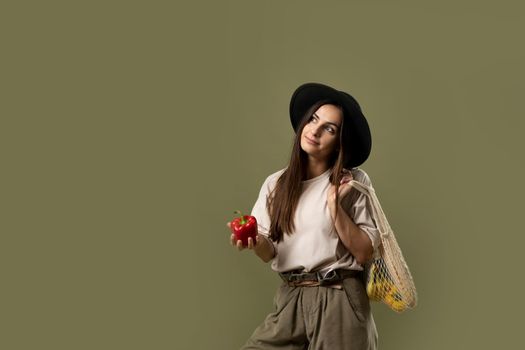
(358, 206)
(261, 214)
(259, 209)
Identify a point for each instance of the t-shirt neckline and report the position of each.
(318, 177)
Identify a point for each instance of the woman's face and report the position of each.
(320, 136)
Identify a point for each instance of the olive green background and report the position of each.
(131, 131)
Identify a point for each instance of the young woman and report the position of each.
(316, 231)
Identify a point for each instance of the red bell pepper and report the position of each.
(243, 227)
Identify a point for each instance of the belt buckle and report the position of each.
(294, 276)
(290, 277)
(331, 276)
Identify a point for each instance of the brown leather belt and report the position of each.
(310, 279)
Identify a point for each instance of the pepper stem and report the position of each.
(242, 217)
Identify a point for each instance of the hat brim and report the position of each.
(357, 140)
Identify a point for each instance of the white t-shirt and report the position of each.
(315, 245)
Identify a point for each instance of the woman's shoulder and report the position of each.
(271, 179)
(277, 173)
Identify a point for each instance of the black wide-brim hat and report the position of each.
(356, 137)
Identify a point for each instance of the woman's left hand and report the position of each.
(344, 189)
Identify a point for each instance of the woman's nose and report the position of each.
(315, 130)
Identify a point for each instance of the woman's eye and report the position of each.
(328, 128)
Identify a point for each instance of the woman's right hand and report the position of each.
(238, 243)
(262, 247)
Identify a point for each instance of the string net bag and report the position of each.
(388, 278)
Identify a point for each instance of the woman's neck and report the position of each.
(314, 170)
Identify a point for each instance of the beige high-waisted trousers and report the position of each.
(318, 318)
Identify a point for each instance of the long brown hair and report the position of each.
(282, 201)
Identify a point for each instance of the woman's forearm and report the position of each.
(353, 238)
(264, 249)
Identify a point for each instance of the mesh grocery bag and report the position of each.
(388, 278)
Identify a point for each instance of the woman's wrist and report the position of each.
(266, 249)
(274, 251)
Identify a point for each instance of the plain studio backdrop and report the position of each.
(131, 131)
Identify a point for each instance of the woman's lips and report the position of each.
(311, 141)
